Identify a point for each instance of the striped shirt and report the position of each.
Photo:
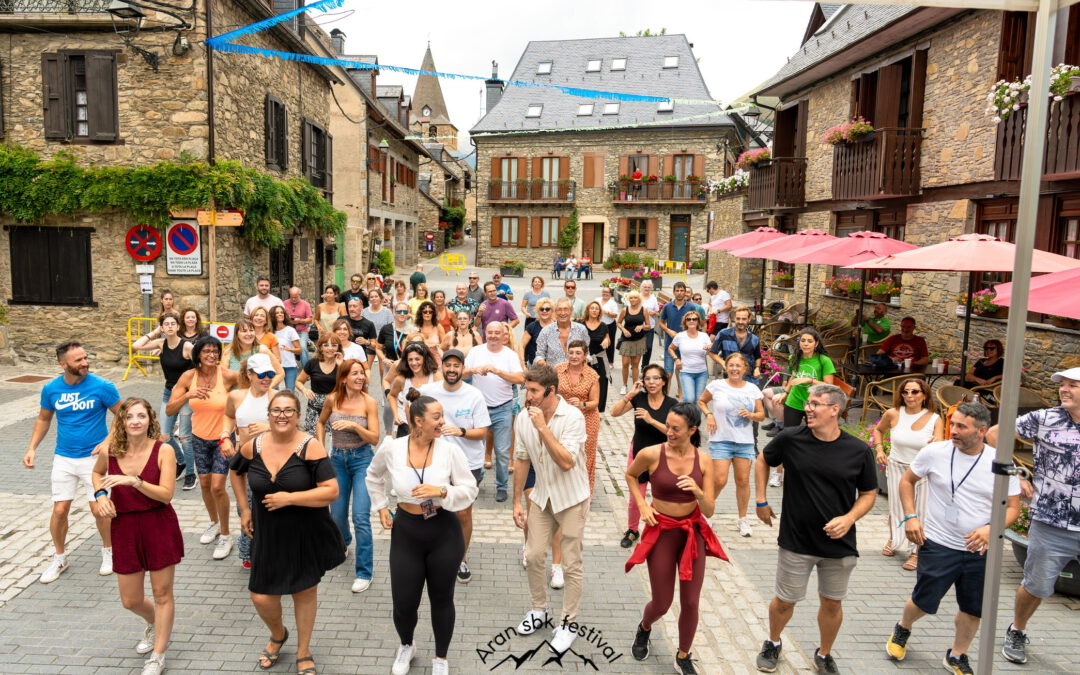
(561, 489)
(548, 347)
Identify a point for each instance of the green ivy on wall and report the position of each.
(32, 188)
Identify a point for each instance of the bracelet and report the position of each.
(907, 518)
(100, 493)
(760, 504)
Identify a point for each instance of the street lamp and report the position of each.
(120, 9)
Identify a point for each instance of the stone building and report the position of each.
(936, 166)
(542, 153)
(71, 84)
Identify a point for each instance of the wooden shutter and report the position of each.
(864, 91)
(598, 169)
(624, 165)
(537, 168)
(536, 234)
(624, 232)
(1072, 36)
(523, 232)
(270, 131)
(328, 168)
(917, 89)
(101, 95)
(69, 265)
(522, 167)
(564, 168)
(1, 101)
(588, 179)
(1017, 32)
(654, 165)
(496, 231)
(305, 140)
(887, 104)
(55, 97)
(30, 277)
(800, 129)
(652, 225)
(669, 165)
(699, 165)
(496, 168)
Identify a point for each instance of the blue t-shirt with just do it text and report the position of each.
(80, 413)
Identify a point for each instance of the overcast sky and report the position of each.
(740, 43)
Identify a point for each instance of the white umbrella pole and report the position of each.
(1030, 177)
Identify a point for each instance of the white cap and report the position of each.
(1071, 373)
(260, 364)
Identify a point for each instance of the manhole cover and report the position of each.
(28, 378)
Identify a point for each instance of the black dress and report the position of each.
(293, 546)
(596, 338)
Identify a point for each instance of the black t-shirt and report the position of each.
(362, 328)
(646, 434)
(533, 329)
(349, 294)
(321, 383)
(388, 338)
(821, 481)
(985, 372)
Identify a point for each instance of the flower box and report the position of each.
(880, 298)
(628, 272)
(1068, 582)
(1064, 322)
(999, 313)
(511, 272)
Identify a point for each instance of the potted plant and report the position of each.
(1068, 582)
(770, 368)
(756, 157)
(982, 304)
(652, 178)
(695, 186)
(880, 290)
(698, 265)
(1063, 322)
(512, 268)
(865, 434)
(783, 279)
(655, 277)
(855, 130)
(838, 286)
(736, 181)
(628, 264)
(1007, 97)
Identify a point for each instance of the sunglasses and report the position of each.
(911, 392)
(401, 311)
(570, 287)
(263, 376)
(987, 348)
(543, 309)
(692, 319)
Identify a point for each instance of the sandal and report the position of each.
(912, 563)
(888, 550)
(272, 658)
(310, 670)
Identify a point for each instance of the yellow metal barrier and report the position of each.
(672, 268)
(452, 262)
(139, 326)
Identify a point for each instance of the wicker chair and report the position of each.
(840, 334)
(879, 395)
(951, 394)
(826, 326)
(770, 331)
(838, 351)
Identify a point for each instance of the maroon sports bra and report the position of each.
(663, 481)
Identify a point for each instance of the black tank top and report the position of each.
(632, 321)
(173, 363)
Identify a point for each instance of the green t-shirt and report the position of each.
(876, 336)
(817, 367)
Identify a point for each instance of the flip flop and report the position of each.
(273, 657)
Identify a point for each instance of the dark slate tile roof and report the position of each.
(644, 74)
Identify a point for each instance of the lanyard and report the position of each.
(952, 458)
(408, 460)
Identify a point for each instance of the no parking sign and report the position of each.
(183, 248)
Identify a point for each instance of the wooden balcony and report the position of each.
(779, 183)
(541, 192)
(1062, 158)
(660, 192)
(886, 165)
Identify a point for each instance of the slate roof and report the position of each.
(845, 25)
(428, 92)
(644, 74)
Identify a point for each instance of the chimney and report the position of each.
(337, 39)
(494, 89)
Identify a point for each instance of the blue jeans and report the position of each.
(351, 465)
(303, 356)
(669, 360)
(290, 376)
(181, 442)
(502, 424)
(693, 385)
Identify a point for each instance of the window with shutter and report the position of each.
(55, 97)
(316, 150)
(80, 96)
(1014, 51)
(277, 134)
(637, 233)
(51, 265)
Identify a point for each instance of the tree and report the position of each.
(569, 235)
(645, 33)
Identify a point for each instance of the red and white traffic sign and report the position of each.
(183, 254)
(222, 331)
(143, 243)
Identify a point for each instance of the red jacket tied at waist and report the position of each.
(690, 551)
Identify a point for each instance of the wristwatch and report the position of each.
(442, 492)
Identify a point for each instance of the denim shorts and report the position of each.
(477, 474)
(730, 450)
(208, 457)
(941, 568)
(1050, 549)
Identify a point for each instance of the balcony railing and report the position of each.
(532, 191)
(779, 183)
(886, 165)
(660, 191)
(53, 6)
(1062, 158)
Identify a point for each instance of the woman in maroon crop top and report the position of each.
(683, 495)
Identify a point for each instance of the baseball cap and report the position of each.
(1071, 373)
(453, 354)
(260, 364)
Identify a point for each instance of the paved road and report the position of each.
(77, 625)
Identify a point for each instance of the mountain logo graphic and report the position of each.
(557, 658)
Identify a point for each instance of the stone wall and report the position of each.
(595, 204)
(739, 276)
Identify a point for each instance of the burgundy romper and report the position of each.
(145, 532)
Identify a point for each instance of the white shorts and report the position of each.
(67, 473)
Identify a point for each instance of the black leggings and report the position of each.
(793, 417)
(425, 550)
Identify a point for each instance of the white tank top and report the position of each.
(906, 442)
(405, 389)
(252, 409)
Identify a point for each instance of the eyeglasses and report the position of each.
(814, 405)
(691, 319)
(263, 376)
(911, 392)
(283, 412)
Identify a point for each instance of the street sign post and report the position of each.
(221, 218)
(143, 243)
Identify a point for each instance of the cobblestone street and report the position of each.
(77, 625)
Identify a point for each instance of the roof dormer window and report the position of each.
(611, 108)
(593, 66)
(543, 68)
(618, 64)
(585, 109)
(426, 111)
(665, 106)
(671, 61)
(534, 110)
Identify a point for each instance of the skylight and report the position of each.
(585, 109)
(618, 64)
(671, 61)
(593, 66)
(611, 108)
(543, 68)
(534, 110)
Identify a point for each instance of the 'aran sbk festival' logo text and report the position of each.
(492, 654)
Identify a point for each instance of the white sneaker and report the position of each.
(744, 527)
(360, 585)
(561, 639)
(224, 546)
(209, 534)
(557, 576)
(52, 572)
(622, 392)
(106, 561)
(440, 667)
(403, 660)
(776, 479)
(146, 644)
(533, 621)
(155, 665)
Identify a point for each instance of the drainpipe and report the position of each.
(211, 148)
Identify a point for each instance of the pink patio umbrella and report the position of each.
(968, 253)
(783, 249)
(1049, 294)
(752, 238)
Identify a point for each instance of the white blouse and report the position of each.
(390, 469)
